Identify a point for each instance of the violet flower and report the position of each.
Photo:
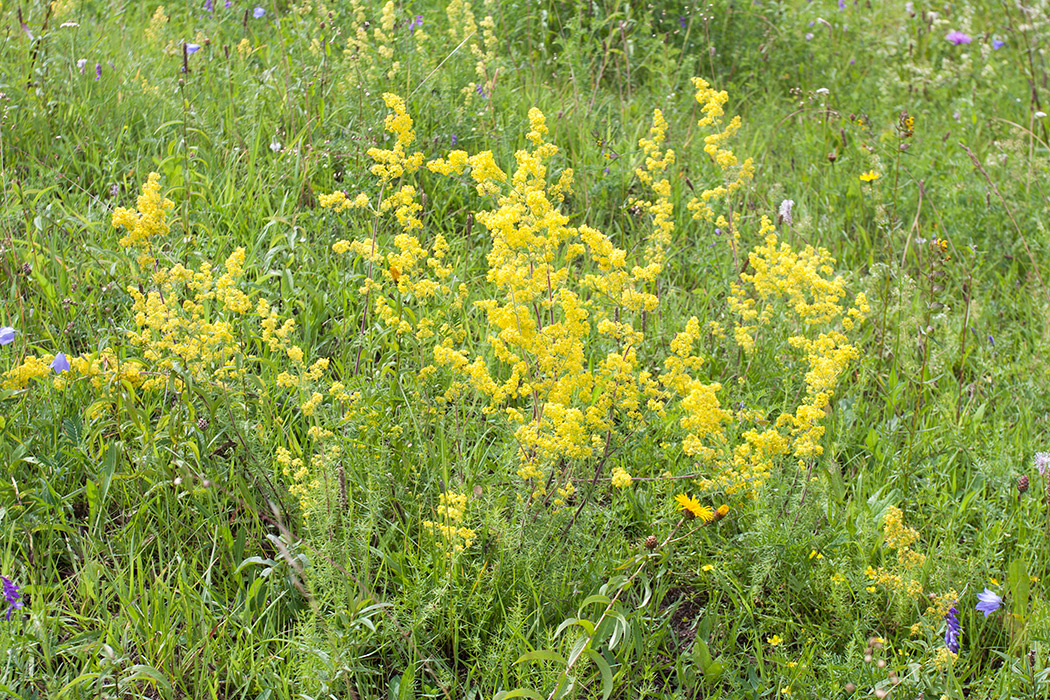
(951, 631)
(12, 595)
(258, 13)
(7, 335)
(60, 364)
(956, 37)
(989, 602)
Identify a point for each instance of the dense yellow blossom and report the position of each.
(452, 509)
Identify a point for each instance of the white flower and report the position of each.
(785, 210)
(275, 145)
(1042, 462)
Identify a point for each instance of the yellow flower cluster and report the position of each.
(798, 288)
(895, 533)
(149, 221)
(703, 413)
(408, 270)
(339, 202)
(179, 329)
(393, 163)
(902, 579)
(156, 24)
(657, 161)
(734, 174)
(31, 368)
(620, 478)
(565, 401)
(463, 26)
(452, 508)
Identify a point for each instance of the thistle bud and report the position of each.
(651, 542)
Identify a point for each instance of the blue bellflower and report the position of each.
(7, 335)
(60, 364)
(989, 602)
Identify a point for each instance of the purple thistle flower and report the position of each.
(997, 44)
(1042, 462)
(7, 335)
(989, 602)
(60, 364)
(12, 595)
(258, 13)
(952, 631)
(956, 37)
(98, 71)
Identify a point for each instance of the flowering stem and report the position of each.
(368, 283)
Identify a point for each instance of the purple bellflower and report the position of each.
(60, 364)
(989, 602)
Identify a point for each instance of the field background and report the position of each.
(188, 519)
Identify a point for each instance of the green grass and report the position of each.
(162, 550)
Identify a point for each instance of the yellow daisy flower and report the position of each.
(694, 508)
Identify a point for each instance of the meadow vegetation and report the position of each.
(524, 349)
